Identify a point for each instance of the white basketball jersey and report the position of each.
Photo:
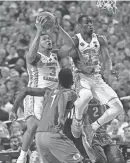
(45, 72)
(89, 52)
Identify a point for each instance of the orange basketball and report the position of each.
(50, 19)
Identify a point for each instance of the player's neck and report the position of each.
(87, 36)
(60, 87)
(45, 52)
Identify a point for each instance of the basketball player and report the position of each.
(106, 150)
(90, 54)
(43, 68)
(50, 139)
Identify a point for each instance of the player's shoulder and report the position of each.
(71, 94)
(35, 61)
(102, 39)
(76, 40)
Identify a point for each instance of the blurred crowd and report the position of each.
(17, 29)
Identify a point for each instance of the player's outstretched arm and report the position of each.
(67, 38)
(107, 63)
(32, 55)
(28, 91)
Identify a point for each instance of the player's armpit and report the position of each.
(37, 59)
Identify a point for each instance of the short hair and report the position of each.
(65, 78)
(84, 16)
(126, 127)
(4, 36)
(14, 137)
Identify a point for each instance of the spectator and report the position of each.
(127, 134)
(122, 123)
(114, 131)
(128, 114)
(12, 53)
(5, 75)
(14, 144)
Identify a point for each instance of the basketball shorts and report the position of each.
(58, 146)
(100, 90)
(106, 151)
(33, 106)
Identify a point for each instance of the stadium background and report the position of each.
(17, 29)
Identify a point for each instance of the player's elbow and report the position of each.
(64, 51)
(25, 91)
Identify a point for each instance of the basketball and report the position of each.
(50, 19)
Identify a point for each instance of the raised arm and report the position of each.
(107, 63)
(65, 103)
(32, 55)
(67, 38)
(28, 91)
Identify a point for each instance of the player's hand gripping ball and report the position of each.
(49, 20)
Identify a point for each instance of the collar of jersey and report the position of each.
(45, 55)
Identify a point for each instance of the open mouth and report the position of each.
(49, 43)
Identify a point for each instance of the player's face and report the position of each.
(87, 25)
(45, 42)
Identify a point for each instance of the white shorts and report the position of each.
(100, 90)
(33, 106)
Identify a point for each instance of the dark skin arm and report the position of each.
(28, 91)
(65, 99)
(32, 55)
(69, 49)
(107, 63)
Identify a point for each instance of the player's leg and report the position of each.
(77, 142)
(113, 154)
(85, 95)
(106, 95)
(32, 113)
(100, 155)
(28, 138)
(63, 148)
(45, 154)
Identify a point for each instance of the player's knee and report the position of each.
(118, 160)
(116, 105)
(32, 124)
(85, 94)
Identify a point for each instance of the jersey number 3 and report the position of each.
(53, 71)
